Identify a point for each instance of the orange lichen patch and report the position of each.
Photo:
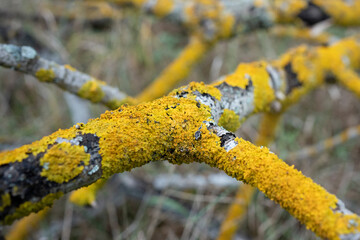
(236, 211)
(341, 12)
(92, 90)
(18, 154)
(203, 88)
(86, 196)
(115, 103)
(67, 66)
(176, 71)
(299, 195)
(163, 7)
(45, 75)
(29, 207)
(229, 120)
(287, 11)
(263, 92)
(63, 162)
(25, 226)
(150, 130)
(234, 80)
(5, 201)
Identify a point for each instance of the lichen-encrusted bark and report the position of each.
(220, 19)
(182, 128)
(238, 207)
(25, 59)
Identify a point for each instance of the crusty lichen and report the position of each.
(19, 154)
(139, 131)
(115, 103)
(29, 207)
(92, 90)
(5, 201)
(229, 120)
(237, 209)
(45, 75)
(63, 162)
(299, 195)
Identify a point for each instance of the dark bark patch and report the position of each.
(312, 14)
(229, 136)
(291, 79)
(25, 176)
(197, 135)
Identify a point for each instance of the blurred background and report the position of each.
(128, 49)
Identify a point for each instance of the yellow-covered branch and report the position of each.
(238, 208)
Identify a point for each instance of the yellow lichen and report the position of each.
(29, 207)
(139, 131)
(229, 120)
(341, 12)
(204, 89)
(5, 201)
(163, 7)
(19, 154)
(45, 75)
(63, 162)
(67, 66)
(92, 90)
(86, 196)
(244, 194)
(25, 226)
(115, 103)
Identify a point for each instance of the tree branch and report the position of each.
(26, 60)
(224, 18)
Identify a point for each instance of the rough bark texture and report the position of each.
(26, 60)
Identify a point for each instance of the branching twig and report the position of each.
(329, 143)
(25, 59)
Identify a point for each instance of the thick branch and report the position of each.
(26, 60)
